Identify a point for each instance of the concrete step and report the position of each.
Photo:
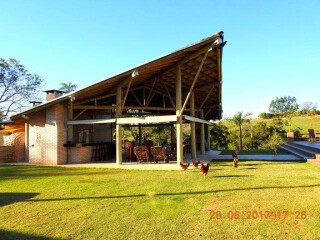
(306, 153)
(310, 147)
(303, 149)
(292, 151)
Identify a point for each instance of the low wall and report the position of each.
(7, 154)
(13, 149)
(81, 154)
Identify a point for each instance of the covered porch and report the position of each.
(180, 90)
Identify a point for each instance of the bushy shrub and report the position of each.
(219, 136)
(265, 115)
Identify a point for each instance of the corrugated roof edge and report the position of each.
(129, 71)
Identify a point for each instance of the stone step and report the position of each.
(307, 146)
(290, 150)
(302, 149)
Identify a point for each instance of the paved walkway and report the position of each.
(212, 155)
(287, 157)
(314, 161)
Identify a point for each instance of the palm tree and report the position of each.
(238, 119)
(68, 87)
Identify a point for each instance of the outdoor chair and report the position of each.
(148, 144)
(142, 154)
(159, 154)
(187, 146)
(97, 154)
(128, 150)
(312, 136)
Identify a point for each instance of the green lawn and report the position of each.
(253, 152)
(60, 203)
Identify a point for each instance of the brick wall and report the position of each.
(13, 148)
(81, 154)
(47, 134)
(6, 154)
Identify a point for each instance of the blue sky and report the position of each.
(273, 47)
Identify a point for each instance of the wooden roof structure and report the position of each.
(150, 87)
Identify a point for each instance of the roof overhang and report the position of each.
(170, 59)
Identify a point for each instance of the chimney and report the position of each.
(52, 94)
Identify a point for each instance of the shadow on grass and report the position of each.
(232, 176)
(15, 172)
(12, 235)
(224, 162)
(171, 194)
(9, 198)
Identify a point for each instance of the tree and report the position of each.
(238, 119)
(219, 136)
(68, 87)
(289, 116)
(283, 105)
(17, 87)
(265, 115)
(308, 107)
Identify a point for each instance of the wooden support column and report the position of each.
(193, 129)
(209, 143)
(70, 130)
(202, 135)
(172, 135)
(118, 128)
(26, 141)
(179, 116)
(140, 135)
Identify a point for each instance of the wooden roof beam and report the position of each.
(137, 99)
(206, 86)
(134, 74)
(196, 54)
(205, 67)
(206, 98)
(202, 73)
(103, 96)
(194, 81)
(150, 92)
(102, 107)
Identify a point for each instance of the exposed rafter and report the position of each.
(194, 81)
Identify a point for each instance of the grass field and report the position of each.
(61, 203)
(305, 122)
